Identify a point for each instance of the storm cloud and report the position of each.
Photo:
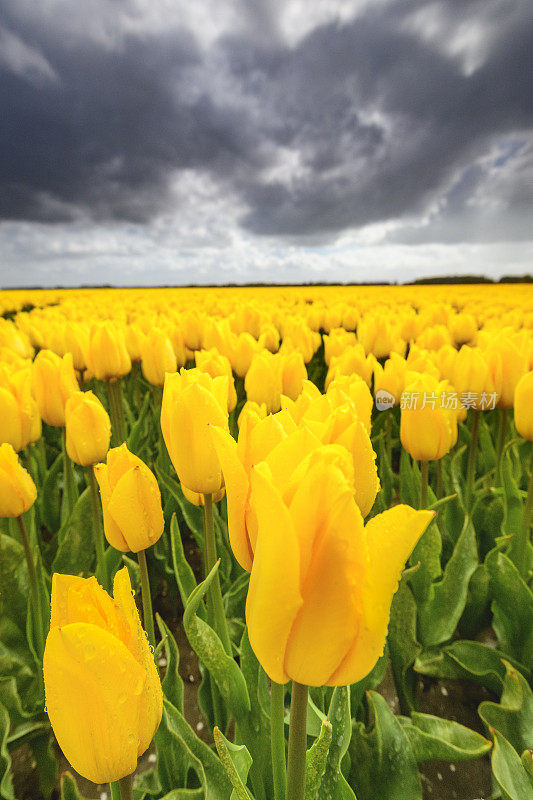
(295, 123)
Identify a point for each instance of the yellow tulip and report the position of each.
(263, 382)
(53, 382)
(389, 380)
(103, 693)
(198, 499)
(88, 429)
(192, 402)
(428, 426)
(131, 501)
(215, 364)
(108, 356)
(243, 352)
(325, 623)
(507, 363)
(293, 374)
(523, 407)
(17, 489)
(472, 378)
(133, 339)
(157, 357)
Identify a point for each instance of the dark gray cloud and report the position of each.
(391, 114)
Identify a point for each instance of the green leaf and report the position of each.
(433, 738)
(50, 496)
(513, 715)
(512, 520)
(427, 552)
(206, 644)
(182, 569)
(440, 613)
(333, 785)
(138, 430)
(464, 659)
(172, 683)
(193, 515)
(409, 481)
(383, 763)
(403, 644)
(180, 750)
(512, 608)
(69, 788)
(315, 761)
(14, 583)
(509, 771)
(257, 728)
(45, 761)
(237, 761)
(75, 552)
(6, 783)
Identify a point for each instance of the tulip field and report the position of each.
(266, 543)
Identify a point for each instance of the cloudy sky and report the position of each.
(179, 141)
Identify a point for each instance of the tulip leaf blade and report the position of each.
(50, 496)
(258, 727)
(237, 761)
(180, 750)
(383, 765)
(75, 551)
(509, 771)
(334, 785)
(469, 660)
(6, 782)
(403, 644)
(513, 715)
(512, 607)
(512, 520)
(434, 738)
(182, 570)
(69, 788)
(192, 515)
(207, 645)
(440, 613)
(172, 683)
(315, 759)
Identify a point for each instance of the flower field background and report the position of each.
(324, 498)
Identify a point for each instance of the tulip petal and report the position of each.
(151, 699)
(366, 481)
(273, 596)
(391, 537)
(83, 600)
(289, 454)
(237, 489)
(93, 686)
(333, 562)
(112, 531)
(135, 506)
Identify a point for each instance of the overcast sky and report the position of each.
(199, 141)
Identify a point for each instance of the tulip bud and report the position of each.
(157, 357)
(103, 693)
(293, 374)
(428, 429)
(215, 364)
(88, 429)
(523, 406)
(17, 490)
(108, 356)
(243, 353)
(20, 422)
(131, 501)
(53, 382)
(471, 376)
(263, 382)
(192, 401)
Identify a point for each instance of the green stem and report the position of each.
(116, 411)
(148, 614)
(440, 482)
(388, 436)
(521, 549)
(136, 368)
(34, 585)
(277, 739)
(125, 786)
(69, 496)
(115, 790)
(424, 473)
(471, 465)
(98, 532)
(297, 743)
(214, 596)
(501, 441)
